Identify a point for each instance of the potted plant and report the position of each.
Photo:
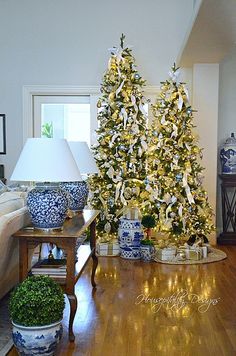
(36, 310)
(148, 221)
(147, 249)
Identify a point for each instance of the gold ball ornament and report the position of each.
(187, 165)
(196, 150)
(99, 104)
(161, 171)
(111, 96)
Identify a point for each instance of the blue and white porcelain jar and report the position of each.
(228, 156)
(78, 192)
(47, 205)
(130, 234)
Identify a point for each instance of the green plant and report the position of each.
(147, 242)
(37, 301)
(148, 221)
(47, 130)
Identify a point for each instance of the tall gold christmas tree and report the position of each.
(175, 171)
(122, 141)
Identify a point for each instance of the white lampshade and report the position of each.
(46, 160)
(83, 157)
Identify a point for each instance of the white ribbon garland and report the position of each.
(120, 87)
(141, 108)
(187, 188)
(175, 131)
(118, 186)
(186, 92)
(180, 210)
(180, 102)
(125, 116)
(174, 75)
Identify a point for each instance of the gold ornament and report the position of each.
(111, 96)
(128, 193)
(187, 165)
(105, 195)
(115, 114)
(196, 150)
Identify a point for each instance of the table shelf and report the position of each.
(68, 239)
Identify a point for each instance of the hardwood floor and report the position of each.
(115, 320)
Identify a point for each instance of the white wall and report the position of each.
(205, 101)
(227, 112)
(65, 42)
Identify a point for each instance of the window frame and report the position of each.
(29, 91)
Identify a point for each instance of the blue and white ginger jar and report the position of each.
(228, 156)
(47, 206)
(130, 233)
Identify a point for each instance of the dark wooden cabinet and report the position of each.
(228, 197)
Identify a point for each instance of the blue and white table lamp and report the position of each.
(87, 165)
(47, 161)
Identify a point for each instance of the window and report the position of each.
(65, 111)
(63, 117)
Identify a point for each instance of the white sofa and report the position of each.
(13, 216)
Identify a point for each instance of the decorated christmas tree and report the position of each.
(121, 147)
(175, 171)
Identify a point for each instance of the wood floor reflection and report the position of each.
(117, 320)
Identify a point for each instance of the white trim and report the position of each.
(29, 91)
(196, 7)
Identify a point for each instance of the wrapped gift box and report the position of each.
(110, 248)
(166, 254)
(195, 255)
(196, 252)
(132, 213)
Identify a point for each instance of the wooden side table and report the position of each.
(228, 196)
(67, 239)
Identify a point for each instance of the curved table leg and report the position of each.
(73, 309)
(95, 263)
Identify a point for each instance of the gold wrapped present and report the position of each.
(110, 248)
(166, 254)
(195, 254)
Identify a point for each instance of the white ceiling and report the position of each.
(213, 34)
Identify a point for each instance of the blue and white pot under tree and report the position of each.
(78, 193)
(48, 206)
(147, 252)
(228, 156)
(37, 340)
(130, 233)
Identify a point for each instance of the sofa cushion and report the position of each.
(10, 201)
(3, 187)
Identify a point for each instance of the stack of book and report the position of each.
(54, 268)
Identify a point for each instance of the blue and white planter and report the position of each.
(37, 340)
(79, 194)
(47, 206)
(147, 252)
(130, 234)
(228, 156)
